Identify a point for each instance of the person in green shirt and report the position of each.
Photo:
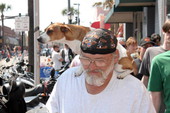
(159, 82)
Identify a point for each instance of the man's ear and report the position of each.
(116, 57)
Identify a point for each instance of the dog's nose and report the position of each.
(40, 39)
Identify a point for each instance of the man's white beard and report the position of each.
(98, 80)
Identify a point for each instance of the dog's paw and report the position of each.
(124, 74)
(79, 71)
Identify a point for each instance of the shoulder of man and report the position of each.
(70, 73)
(150, 49)
(162, 56)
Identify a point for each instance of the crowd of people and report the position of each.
(8, 52)
(98, 90)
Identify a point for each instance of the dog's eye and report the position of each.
(49, 31)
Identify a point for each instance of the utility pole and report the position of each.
(33, 12)
(78, 19)
(2, 30)
(31, 35)
(36, 45)
(22, 40)
(69, 13)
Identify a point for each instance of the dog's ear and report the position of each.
(65, 29)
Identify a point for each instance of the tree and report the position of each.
(108, 4)
(3, 8)
(72, 12)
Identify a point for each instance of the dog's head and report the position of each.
(58, 31)
(55, 31)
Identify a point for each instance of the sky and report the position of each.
(50, 11)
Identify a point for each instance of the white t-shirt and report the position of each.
(55, 58)
(75, 61)
(126, 95)
(66, 55)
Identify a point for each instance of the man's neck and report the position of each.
(166, 46)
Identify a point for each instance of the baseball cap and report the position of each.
(146, 40)
(99, 41)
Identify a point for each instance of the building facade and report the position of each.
(11, 38)
(141, 18)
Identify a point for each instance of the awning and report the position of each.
(11, 40)
(97, 25)
(123, 10)
(121, 14)
(134, 3)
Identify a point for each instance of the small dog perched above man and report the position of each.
(69, 34)
(73, 35)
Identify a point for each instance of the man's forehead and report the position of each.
(96, 55)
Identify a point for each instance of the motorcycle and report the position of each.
(15, 97)
(12, 98)
(18, 72)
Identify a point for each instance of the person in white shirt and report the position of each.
(56, 58)
(66, 54)
(98, 89)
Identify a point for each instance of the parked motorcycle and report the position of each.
(12, 98)
(17, 97)
(18, 72)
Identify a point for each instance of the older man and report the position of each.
(98, 89)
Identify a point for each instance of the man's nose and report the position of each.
(92, 65)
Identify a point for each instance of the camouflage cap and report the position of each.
(99, 41)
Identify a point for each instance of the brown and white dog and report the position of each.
(69, 34)
(72, 35)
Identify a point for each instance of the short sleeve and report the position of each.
(155, 80)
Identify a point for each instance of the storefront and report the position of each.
(11, 41)
(136, 14)
(154, 14)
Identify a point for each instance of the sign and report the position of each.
(22, 23)
(45, 72)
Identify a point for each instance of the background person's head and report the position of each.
(66, 46)
(156, 38)
(166, 31)
(98, 56)
(131, 45)
(56, 48)
(144, 44)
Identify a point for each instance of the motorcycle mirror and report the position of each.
(7, 59)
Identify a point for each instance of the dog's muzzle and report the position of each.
(40, 39)
(43, 38)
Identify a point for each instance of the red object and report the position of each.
(97, 25)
